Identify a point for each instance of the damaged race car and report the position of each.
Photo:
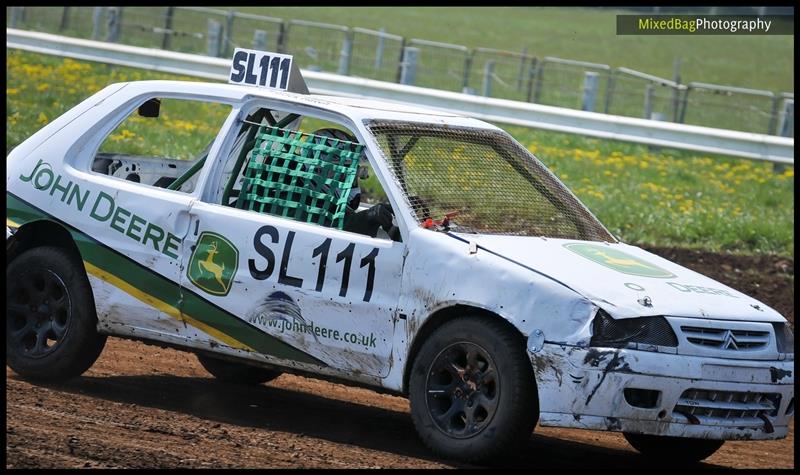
(410, 250)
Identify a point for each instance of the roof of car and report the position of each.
(376, 104)
(351, 106)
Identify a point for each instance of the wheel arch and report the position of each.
(46, 232)
(443, 315)
(48, 247)
(42, 232)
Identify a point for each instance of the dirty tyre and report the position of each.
(51, 325)
(236, 373)
(472, 391)
(681, 449)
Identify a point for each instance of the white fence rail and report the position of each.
(649, 132)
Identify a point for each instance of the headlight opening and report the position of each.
(608, 332)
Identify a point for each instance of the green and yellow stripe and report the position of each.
(162, 306)
(160, 292)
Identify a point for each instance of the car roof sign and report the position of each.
(251, 67)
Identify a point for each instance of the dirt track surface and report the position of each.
(142, 406)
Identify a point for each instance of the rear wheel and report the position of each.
(472, 391)
(236, 373)
(680, 449)
(51, 325)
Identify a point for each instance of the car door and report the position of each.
(129, 237)
(133, 204)
(301, 292)
(135, 245)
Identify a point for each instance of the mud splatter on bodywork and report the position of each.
(777, 374)
(617, 363)
(544, 365)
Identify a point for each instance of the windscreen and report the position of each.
(480, 181)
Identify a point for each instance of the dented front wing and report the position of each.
(699, 397)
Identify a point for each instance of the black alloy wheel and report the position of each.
(39, 312)
(463, 390)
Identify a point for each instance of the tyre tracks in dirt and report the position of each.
(148, 407)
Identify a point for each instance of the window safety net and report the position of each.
(480, 181)
(300, 176)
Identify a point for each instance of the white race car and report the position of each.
(232, 220)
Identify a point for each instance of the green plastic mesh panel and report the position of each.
(300, 176)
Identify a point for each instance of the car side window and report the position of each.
(304, 169)
(163, 143)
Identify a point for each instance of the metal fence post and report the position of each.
(97, 22)
(214, 38)
(408, 72)
(345, 54)
(281, 40)
(676, 103)
(114, 23)
(399, 68)
(531, 74)
(537, 88)
(785, 129)
(467, 68)
(64, 19)
(228, 34)
(168, 15)
(379, 49)
(772, 128)
(488, 70)
(16, 16)
(676, 77)
(521, 73)
(120, 20)
(590, 82)
(648, 100)
(260, 40)
(610, 84)
(684, 104)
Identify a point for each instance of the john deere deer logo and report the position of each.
(618, 260)
(213, 268)
(213, 264)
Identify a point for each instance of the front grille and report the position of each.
(726, 339)
(725, 405)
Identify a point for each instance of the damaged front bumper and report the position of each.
(663, 394)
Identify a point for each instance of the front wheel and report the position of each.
(236, 373)
(472, 391)
(679, 449)
(51, 325)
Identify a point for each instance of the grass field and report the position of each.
(585, 34)
(642, 195)
(576, 33)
